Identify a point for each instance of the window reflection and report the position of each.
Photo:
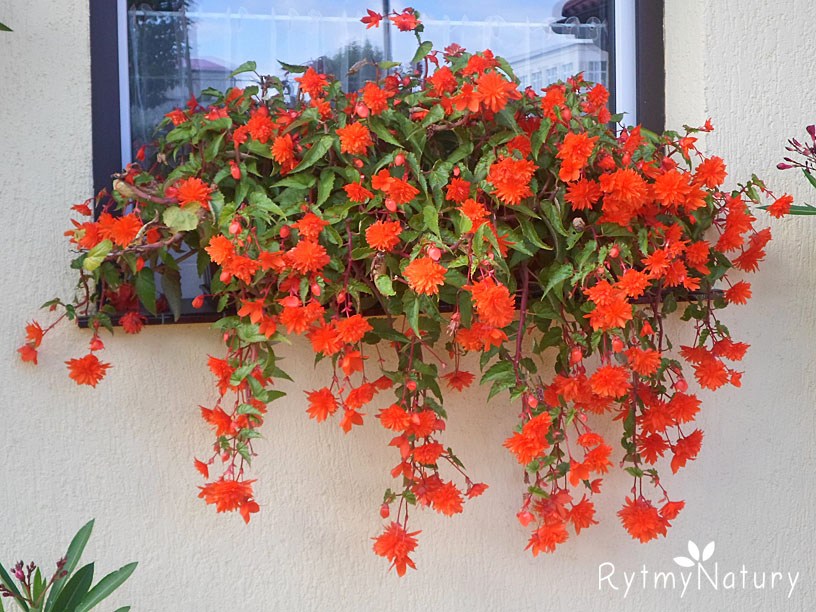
(179, 47)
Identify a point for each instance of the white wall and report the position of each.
(122, 453)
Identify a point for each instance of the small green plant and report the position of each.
(67, 590)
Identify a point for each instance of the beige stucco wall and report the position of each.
(122, 453)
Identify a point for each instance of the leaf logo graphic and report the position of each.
(695, 555)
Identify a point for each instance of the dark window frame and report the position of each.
(105, 95)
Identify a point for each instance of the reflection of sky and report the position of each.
(232, 31)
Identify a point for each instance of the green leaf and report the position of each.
(171, 287)
(295, 68)
(146, 289)
(324, 186)
(214, 147)
(123, 609)
(384, 285)
(5, 28)
(245, 67)
(422, 51)
(378, 127)
(75, 590)
(105, 587)
(431, 218)
(557, 273)
(315, 154)
(75, 550)
(97, 255)
(384, 65)
(500, 371)
(811, 179)
(181, 219)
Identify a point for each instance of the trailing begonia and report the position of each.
(441, 210)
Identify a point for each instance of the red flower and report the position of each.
(308, 256)
(610, 381)
(424, 275)
(642, 520)
(357, 193)
(446, 499)
(312, 82)
(511, 179)
(781, 206)
(405, 22)
(574, 153)
(547, 537)
(87, 370)
(322, 403)
(193, 190)
(383, 235)
(230, 495)
(395, 544)
(372, 20)
(495, 91)
(459, 379)
(132, 322)
(354, 139)
(494, 304)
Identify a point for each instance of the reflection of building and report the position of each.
(558, 62)
(208, 73)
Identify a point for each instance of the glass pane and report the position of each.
(179, 47)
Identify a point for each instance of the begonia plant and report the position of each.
(441, 210)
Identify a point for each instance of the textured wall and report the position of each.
(122, 453)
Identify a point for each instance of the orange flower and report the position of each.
(574, 153)
(633, 283)
(28, 353)
(119, 230)
(401, 191)
(446, 499)
(395, 544)
(230, 495)
(781, 206)
(583, 194)
(357, 193)
(360, 396)
(383, 235)
(322, 403)
(610, 381)
(193, 190)
(686, 449)
(307, 256)
(220, 249)
(625, 193)
(351, 418)
(354, 139)
(711, 172)
(424, 275)
(220, 420)
(312, 82)
(132, 322)
(87, 370)
(671, 188)
(547, 537)
(494, 304)
(495, 91)
(352, 362)
(511, 179)
(476, 212)
(428, 453)
(352, 329)
(644, 362)
(394, 418)
(260, 126)
(582, 515)
(739, 293)
(325, 339)
(442, 81)
(459, 379)
(458, 190)
(642, 520)
(372, 20)
(711, 373)
(310, 226)
(283, 150)
(34, 333)
(375, 99)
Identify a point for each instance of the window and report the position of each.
(150, 56)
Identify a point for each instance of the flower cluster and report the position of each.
(441, 205)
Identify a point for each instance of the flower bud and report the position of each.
(617, 345)
(614, 252)
(198, 301)
(576, 356)
(399, 160)
(681, 385)
(434, 253)
(385, 511)
(285, 232)
(391, 205)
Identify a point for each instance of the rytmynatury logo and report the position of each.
(697, 574)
